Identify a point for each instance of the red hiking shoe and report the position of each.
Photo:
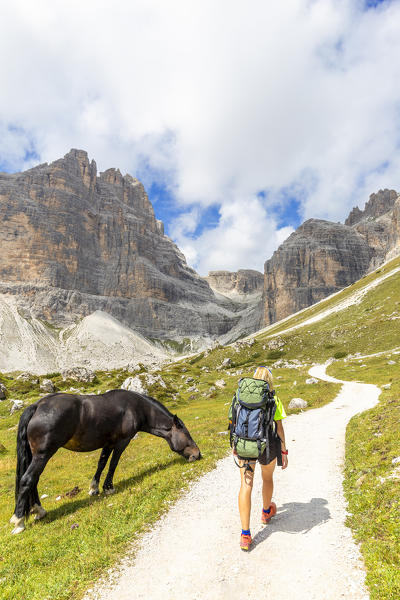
(245, 541)
(266, 517)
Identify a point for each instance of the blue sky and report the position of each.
(241, 124)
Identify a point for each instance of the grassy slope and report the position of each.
(62, 561)
(373, 441)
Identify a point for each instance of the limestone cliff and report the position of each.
(74, 242)
(234, 284)
(321, 257)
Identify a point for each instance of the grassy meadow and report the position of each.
(81, 537)
(372, 481)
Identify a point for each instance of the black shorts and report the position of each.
(274, 452)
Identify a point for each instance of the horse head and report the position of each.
(181, 441)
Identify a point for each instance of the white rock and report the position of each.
(189, 379)
(133, 384)
(387, 386)
(16, 405)
(311, 380)
(226, 362)
(46, 385)
(152, 379)
(396, 460)
(220, 383)
(193, 388)
(298, 403)
(79, 374)
(25, 377)
(391, 362)
(3, 390)
(276, 343)
(43, 496)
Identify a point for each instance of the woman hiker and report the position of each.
(267, 459)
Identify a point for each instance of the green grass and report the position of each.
(373, 440)
(64, 561)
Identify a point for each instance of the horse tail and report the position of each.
(24, 457)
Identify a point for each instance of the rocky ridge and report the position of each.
(322, 257)
(74, 242)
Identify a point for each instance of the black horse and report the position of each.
(82, 424)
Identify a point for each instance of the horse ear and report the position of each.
(177, 422)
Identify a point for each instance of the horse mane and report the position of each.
(149, 399)
(158, 404)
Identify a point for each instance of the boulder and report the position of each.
(46, 385)
(311, 380)
(26, 377)
(276, 343)
(16, 405)
(3, 391)
(133, 384)
(152, 379)
(78, 374)
(220, 383)
(296, 403)
(226, 363)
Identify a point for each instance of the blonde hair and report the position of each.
(265, 374)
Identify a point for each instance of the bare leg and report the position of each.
(246, 487)
(94, 484)
(267, 472)
(108, 486)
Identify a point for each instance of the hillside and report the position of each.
(75, 242)
(322, 257)
(361, 320)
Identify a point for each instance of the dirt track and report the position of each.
(306, 553)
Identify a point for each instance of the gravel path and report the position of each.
(305, 553)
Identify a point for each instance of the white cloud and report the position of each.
(225, 98)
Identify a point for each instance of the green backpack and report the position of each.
(251, 418)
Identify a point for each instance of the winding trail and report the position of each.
(306, 552)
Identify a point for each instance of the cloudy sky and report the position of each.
(242, 119)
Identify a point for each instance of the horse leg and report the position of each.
(118, 450)
(28, 486)
(94, 484)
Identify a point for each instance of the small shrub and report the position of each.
(274, 354)
(340, 354)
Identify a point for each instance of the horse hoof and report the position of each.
(19, 524)
(14, 520)
(93, 492)
(39, 512)
(109, 491)
(19, 529)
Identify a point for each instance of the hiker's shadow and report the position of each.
(295, 517)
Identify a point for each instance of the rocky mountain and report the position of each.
(74, 241)
(240, 292)
(236, 284)
(97, 342)
(78, 247)
(322, 257)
